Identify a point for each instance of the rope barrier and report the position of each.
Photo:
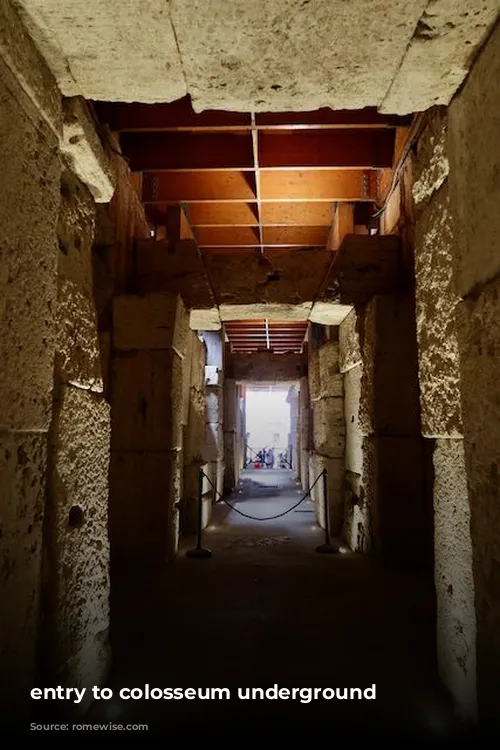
(268, 518)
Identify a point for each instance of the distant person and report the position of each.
(270, 458)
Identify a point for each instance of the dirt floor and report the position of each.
(266, 609)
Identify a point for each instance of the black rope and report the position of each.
(268, 518)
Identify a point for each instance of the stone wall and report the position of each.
(194, 438)
(30, 123)
(474, 153)
(328, 433)
(213, 450)
(437, 303)
(76, 547)
(150, 338)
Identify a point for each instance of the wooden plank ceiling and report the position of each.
(255, 182)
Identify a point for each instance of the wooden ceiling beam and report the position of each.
(190, 187)
(327, 185)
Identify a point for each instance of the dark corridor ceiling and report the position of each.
(256, 183)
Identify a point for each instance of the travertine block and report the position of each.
(143, 518)
(335, 489)
(147, 400)
(154, 321)
(77, 569)
(214, 403)
(23, 459)
(329, 427)
(314, 376)
(349, 341)
(454, 576)
(354, 438)
(213, 449)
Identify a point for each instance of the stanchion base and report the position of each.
(199, 553)
(328, 549)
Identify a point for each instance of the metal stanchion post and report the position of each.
(327, 547)
(199, 550)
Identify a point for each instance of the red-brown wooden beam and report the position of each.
(326, 149)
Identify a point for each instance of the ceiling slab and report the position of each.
(118, 51)
(281, 55)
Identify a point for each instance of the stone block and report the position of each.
(390, 389)
(76, 576)
(23, 459)
(436, 302)
(198, 364)
(479, 340)
(356, 527)
(314, 376)
(154, 321)
(205, 320)
(329, 427)
(393, 472)
(78, 356)
(75, 234)
(83, 150)
(214, 399)
(431, 165)
(266, 367)
(147, 400)
(335, 489)
(350, 341)
(329, 374)
(194, 433)
(474, 152)
(454, 576)
(213, 449)
(144, 487)
(354, 438)
(29, 206)
(304, 469)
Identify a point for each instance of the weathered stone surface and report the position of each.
(329, 374)
(177, 269)
(479, 337)
(431, 165)
(335, 489)
(153, 321)
(143, 519)
(436, 62)
(314, 376)
(329, 313)
(29, 69)
(436, 301)
(271, 311)
(198, 365)
(349, 342)
(394, 486)
(453, 575)
(23, 458)
(78, 356)
(213, 450)
(252, 57)
(364, 267)
(474, 152)
(390, 399)
(213, 404)
(83, 150)
(265, 367)
(76, 575)
(108, 51)
(205, 320)
(147, 400)
(329, 427)
(75, 233)
(354, 439)
(281, 277)
(356, 528)
(29, 207)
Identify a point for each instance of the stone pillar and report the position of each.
(356, 529)
(150, 337)
(214, 415)
(474, 153)
(436, 238)
(231, 408)
(326, 391)
(30, 124)
(389, 418)
(293, 451)
(304, 419)
(194, 437)
(75, 649)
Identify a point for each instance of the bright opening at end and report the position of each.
(268, 423)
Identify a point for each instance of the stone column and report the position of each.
(304, 419)
(230, 434)
(356, 529)
(436, 238)
(294, 455)
(150, 338)
(214, 415)
(325, 382)
(30, 125)
(75, 649)
(194, 437)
